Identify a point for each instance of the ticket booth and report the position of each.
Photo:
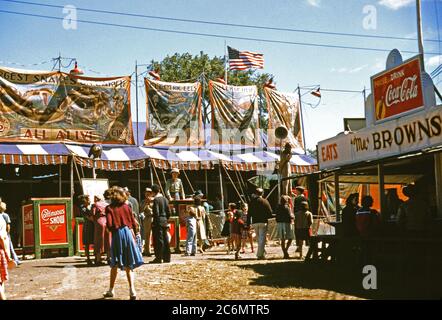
(47, 225)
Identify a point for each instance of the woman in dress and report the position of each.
(100, 233)
(88, 225)
(124, 251)
(285, 225)
(5, 259)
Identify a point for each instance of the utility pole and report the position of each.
(302, 121)
(419, 32)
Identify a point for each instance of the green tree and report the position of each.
(187, 67)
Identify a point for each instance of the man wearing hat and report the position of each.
(174, 187)
(146, 209)
(299, 198)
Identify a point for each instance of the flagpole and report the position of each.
(302, 121)
(226, 57)
(136, 94)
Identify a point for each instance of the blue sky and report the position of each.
(113, 51)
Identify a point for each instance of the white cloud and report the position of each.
(395, 4)
(434, 61)
(349, 70)
(314, 3)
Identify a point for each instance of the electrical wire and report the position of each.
(318, 45)
(24, 65)
(137, 15)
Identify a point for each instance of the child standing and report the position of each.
(247, 231)
(237, 226)
(227, 226)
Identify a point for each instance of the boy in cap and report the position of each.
(174, 187)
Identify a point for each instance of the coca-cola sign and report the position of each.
(398, 90)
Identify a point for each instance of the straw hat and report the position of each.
(175, 170)
(148, 190)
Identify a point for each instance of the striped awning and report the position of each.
(33, 154)
(122, 158)
(182, 159)
(112, 159)
(267, 161)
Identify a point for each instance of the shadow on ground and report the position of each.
(405, 284)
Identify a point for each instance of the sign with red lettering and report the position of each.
(53, 224)
(28, 225)
(410, 133)
(398, 90)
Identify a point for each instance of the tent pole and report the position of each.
(206, 184)
(233, 184)
(302, 121)
(139, 183)
(221, 186)
(150, 172)
(271, 191)
(72, 180)
(59, 180)
(159, 181)
(188, 181)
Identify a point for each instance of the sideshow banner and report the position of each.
(398, 90)
(235, 114)
(53, 224)
(58, 107)
(174, 115)
(283, 110)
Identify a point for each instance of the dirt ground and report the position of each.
(213, 275)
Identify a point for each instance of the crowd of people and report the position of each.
(411, 216)
(293, 219)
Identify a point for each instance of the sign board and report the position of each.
(47, 225)
(93, 187)
(403, 135)
(53, 224)
(28, 225)
(398, 90)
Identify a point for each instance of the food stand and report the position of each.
(401, 144)
(47, 225)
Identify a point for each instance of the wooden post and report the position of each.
(381, 189)
(438, 182)
(59, 180)
(337, 198)
(221, 186)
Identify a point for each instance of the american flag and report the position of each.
(243, 60)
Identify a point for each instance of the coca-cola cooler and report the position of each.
(47, 225)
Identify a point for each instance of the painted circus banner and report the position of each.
(174, 115)
(235, 114)
(283, 110)
(58, 107)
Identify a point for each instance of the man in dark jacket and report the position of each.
(161, 214)
(260, 212)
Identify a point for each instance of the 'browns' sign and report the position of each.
(398, 90)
